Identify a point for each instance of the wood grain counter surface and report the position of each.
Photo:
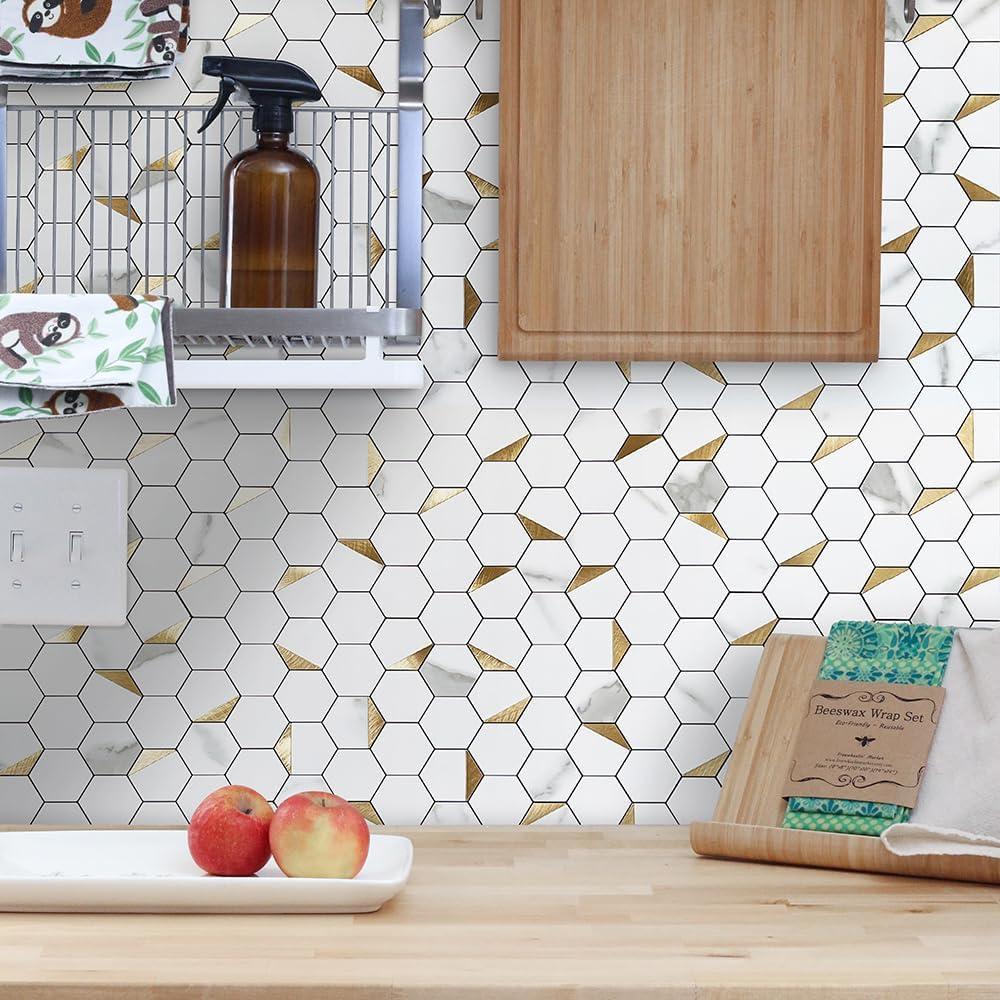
(537, 913)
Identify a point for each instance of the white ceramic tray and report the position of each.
(150, 871)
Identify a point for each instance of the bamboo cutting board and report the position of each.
(747, 822)
(691, 179)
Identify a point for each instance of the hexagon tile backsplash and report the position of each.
(528, 593)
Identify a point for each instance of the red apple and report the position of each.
(228, 833)
(319, 835)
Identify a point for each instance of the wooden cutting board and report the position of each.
(690, 179)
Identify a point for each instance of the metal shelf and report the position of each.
(125, 200)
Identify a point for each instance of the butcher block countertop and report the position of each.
(540, 912)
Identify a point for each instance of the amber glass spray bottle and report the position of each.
(270, 194)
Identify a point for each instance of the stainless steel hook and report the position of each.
(909, 11)
(434, 8)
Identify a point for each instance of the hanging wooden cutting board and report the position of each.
(690, 179)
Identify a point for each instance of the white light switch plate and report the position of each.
(63, 538)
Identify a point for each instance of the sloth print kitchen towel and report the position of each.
(67, 355)
(83, 41)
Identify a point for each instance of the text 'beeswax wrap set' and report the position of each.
(91, 40)
(67, 355)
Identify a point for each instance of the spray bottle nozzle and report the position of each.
(271, 86)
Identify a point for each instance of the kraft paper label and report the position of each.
(867, 742)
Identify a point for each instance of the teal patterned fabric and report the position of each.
(890, 652)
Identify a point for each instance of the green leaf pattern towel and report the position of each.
(889, 652)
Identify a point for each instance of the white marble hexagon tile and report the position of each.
(526, 593)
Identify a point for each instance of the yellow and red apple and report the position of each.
(319, 835)
(228, 833)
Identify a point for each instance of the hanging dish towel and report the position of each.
(67, 355)
(958, 811)
(84, 41)
(889, 652)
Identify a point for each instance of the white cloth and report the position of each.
(958, 811)
(67, 355)
(84, 41)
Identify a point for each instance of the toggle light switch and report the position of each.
(66, 532)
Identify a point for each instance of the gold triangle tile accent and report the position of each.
(888, 99)
(585, 574)
(147, 443)
(120, 206)
(882, 574)
(483, 103)
(976, 102)
(967, 435)
(363, 74)
(487, 661)
(436, 24)
(375, 722)
(244, 495)
(807, 557)
(132, 546)
(148, 757)
(21, 768)
(758, 636)
(375, 461)
(832, 444)
(509, 452)
(901, 243)
(22, 449)
(244, 22)
(473, 775)
(706, 452)
(487, 575)
(169, 162)
(620, 644)
(151, 283)
(412, 662)
(511, 713)
(29, 287)
(628, 819)
(213, 242)
(283, 748)
(196, 574)
(368, 811)
(375, 250)
(492, 245)
(924, 23)
(974, 191)
(707, 521)
(221, 712)
(625, 367)
(71, 635)
(930, 496)
(293, 574)
(538, 532)
(283, 432)
(633, 443)
(979, 576)
(710, 769)
(440, 495)
(805, 401)
(111, 88)
(470, 302)
(486, 189)
(424, 178)
(539, 810)
(169, 635)
(122, 678)
(72, 160)
(708, 368)
(364, 547)
(927, 342)
(966, 280)
(610, 731)
(294, 661)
